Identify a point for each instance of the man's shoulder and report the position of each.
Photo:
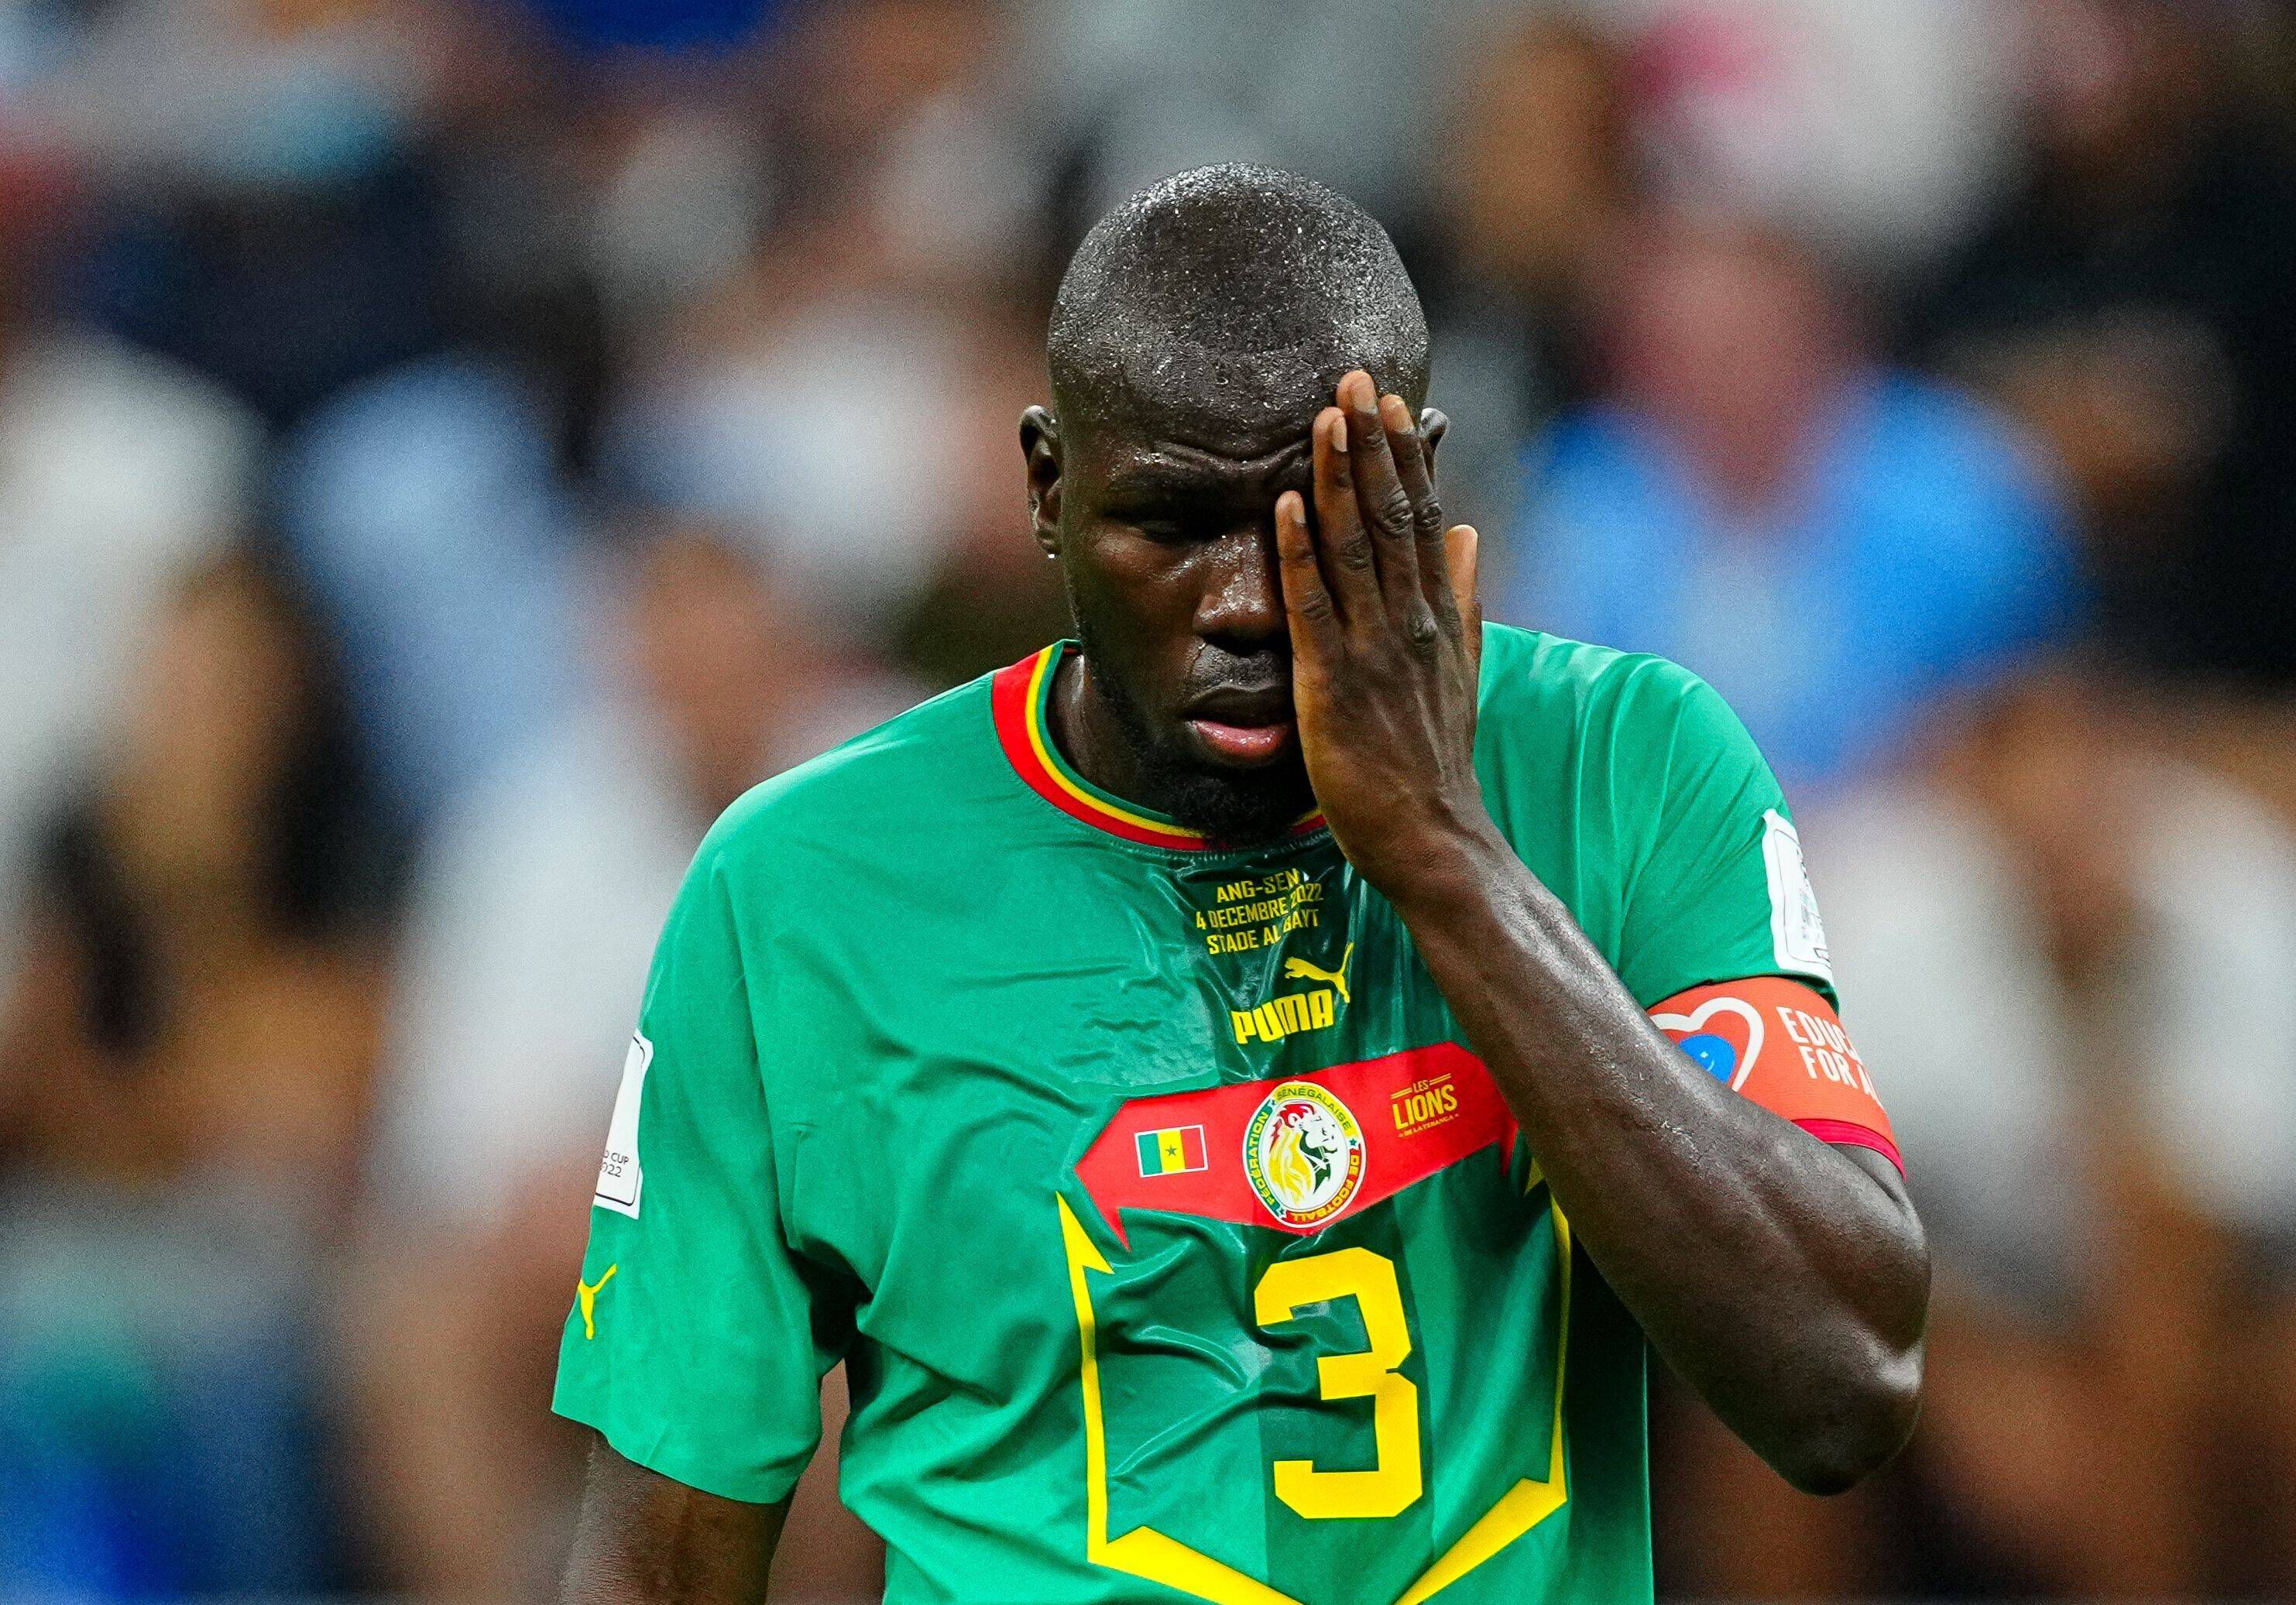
(1540, 688)
(903, 789)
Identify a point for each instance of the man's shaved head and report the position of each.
(1238, 290)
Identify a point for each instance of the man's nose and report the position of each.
(1242, 597)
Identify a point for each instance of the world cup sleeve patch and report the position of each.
(620, 1180)
(1797, 935)
(1779, 1042)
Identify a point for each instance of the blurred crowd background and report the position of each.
(450, 448)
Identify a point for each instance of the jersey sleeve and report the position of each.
(1720, 935)
(698, 1338)
(1713, 884)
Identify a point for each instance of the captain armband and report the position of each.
(1780, 1043)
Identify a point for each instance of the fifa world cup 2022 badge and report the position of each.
(1303, 1153)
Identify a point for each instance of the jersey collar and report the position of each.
(1020, 697)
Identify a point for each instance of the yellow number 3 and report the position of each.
(1390, 1487)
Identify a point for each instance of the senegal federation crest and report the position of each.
(1304, 1153)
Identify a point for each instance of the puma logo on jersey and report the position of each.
(1306, 1011)
(586, 1294)
(1295, 969)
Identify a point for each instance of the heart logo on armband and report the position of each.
(1722, 1037)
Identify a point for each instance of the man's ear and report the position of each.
(1432, 424)
(1040, 444)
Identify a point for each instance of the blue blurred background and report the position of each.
(450, 448)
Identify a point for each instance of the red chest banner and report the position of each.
(1297, 1152)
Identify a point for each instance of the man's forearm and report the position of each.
(1780, 1277)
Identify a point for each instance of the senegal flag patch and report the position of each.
(1171, 1150)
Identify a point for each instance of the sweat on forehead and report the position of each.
(1232, 296)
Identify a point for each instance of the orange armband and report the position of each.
(1780, 1043)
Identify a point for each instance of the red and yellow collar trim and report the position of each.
(1020, 697)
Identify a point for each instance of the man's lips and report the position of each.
(1243, 727)
(1243, 743)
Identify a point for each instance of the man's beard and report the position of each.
(1244, 808)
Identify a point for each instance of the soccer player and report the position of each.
(1237, 1090)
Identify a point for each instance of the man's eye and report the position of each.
(1165, 531)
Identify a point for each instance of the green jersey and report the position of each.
(1175, 1245)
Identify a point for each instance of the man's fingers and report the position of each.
(1306, 603)
(1350, 570)
(1462, 548)
(1386, 510)
(1414, 471)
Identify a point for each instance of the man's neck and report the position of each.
(1089, 734)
